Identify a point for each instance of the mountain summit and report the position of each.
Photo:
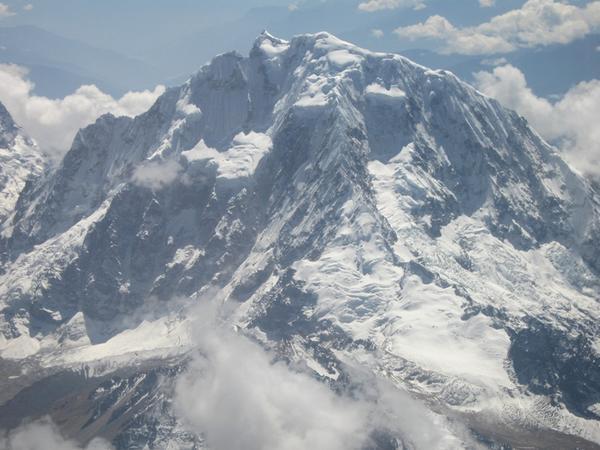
(353, 209)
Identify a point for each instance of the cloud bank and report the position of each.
(536, 23)
(239, 398)
(44, 435)
(53, 123)
(571, 122)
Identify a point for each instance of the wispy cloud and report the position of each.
(157, 174)
(536, 23)
(5, 11)
(54, 122)
(45, 435)
(570, 122)
(378, 5)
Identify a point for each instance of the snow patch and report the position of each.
(326, 41)
(18, 348)
(376, 89)
(167, 335)
(124, 288)
(200, 152)
(186, 257)
(320, 370)
(343, 58)
(240, 161)
(595, 409)
(315, 92)
(274, 48)
(427, 327)
(316, 100)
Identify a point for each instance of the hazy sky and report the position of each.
(134, 26)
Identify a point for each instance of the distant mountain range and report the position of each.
(58, 66)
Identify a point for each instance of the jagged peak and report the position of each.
(223, 62)
(265, 35)
(269, 45)
(320, 44)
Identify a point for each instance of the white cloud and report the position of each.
(239, 398)
(494, 61)
(487, 3)
(54, 122)
(571, 122)
(536, 23)
(242, 401)
(156, 174)
(44, 435)
(462, 41)
(5, 11)
(378, 5)
(377, 33)
(28, 7)
(293, 7)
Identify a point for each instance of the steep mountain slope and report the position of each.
(19, 161)
(352, 208)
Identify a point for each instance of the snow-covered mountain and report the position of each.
(352, 209)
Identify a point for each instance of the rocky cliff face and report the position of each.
(20, 162)
(350, 206)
